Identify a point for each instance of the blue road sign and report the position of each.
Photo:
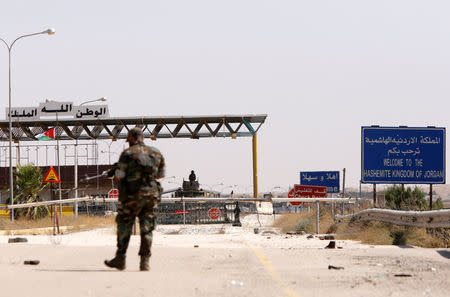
(392, 155)
(329, 179)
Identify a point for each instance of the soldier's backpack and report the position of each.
(147, 163)
(147, 169)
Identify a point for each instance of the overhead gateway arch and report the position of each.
(194, 127)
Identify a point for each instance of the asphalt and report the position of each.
(219, 261)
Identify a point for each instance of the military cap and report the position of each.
(135, 132)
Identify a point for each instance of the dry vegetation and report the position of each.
(304, 221)
(369, 232)
(76, 223)
(372, 232)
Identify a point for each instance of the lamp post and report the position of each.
(109, 149)
(95, 100)
(274, 188)
(10, 46)
(211, 187)
(75, 165)
(109, 154)
(232, 189)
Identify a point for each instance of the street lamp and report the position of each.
(10, 46)
(212, 186)
(109, 149)
(103, 99)
(109, 154)
(75, 165)
(231, 186)
(274, 188)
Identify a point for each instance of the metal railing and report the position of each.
(430, 219)
(185, 200)
(436, 218)
(181, 199)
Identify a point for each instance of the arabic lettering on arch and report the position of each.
(53, 108)
(23, 113)
(92, 112)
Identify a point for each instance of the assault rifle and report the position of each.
(107, 173)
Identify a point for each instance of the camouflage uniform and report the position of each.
(139, 193)
(137, 170)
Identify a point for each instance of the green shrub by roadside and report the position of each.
(304, 224)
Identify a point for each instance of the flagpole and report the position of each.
(59, 169)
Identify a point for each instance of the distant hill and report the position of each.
(443, 191)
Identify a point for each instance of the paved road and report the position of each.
(223, 265)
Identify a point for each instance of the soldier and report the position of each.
(137, 171)
(192, 177)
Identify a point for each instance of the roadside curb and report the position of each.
(39, 231)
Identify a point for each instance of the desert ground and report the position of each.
(220, 260)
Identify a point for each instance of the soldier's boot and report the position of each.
(144, 264)
(117, 262)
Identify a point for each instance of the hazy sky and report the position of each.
(319, 70)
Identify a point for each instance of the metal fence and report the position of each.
(191, 210)
(179, 212)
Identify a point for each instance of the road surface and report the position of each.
(227, 262)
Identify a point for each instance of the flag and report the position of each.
(47, 135)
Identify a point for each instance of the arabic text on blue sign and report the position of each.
(403, 155)
(329, 179)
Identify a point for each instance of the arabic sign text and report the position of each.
(402, 155)
(329, 179)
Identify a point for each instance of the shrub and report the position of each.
(412, 199)
(28, 185)
(305, 225)
(399, 237)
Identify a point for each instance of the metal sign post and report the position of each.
(52, 177)
(59, 167)
(55, 221)
(343, 190)
(431, 196)
(374, 195)
(317, 217)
